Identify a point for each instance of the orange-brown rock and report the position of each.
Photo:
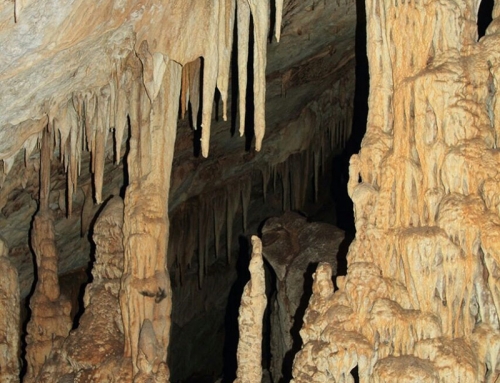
(9, 318)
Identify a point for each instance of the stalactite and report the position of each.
(122, 84)
(101, 134)
(210, 69)
(219, 212)
(243, 25)
(233, 200)
(279, 16)
(260, 14)
(226, 27)
(250, 320)
(246, 191)
(194, 89)
(204, 223)
(266, 175)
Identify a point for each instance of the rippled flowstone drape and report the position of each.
(421, 298)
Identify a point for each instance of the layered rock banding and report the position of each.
(420, 298)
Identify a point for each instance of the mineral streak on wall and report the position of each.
(421, 298)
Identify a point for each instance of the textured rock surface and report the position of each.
(81, 71)
(250, 320)
(420, 299)
(9, 319)
(50, 320)
(94, 351)
(310, 86)
(294, 247)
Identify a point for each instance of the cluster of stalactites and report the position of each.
(82, 122)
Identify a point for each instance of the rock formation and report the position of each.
(420, 301)
(9, 319)
(50, 320)
(250, 320)
(294, 247)
(94, 351)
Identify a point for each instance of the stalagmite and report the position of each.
(250, 320)
(50, 320)
(10, 320)
(94, 350)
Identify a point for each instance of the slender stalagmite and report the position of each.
(250, 320)
(50, 320)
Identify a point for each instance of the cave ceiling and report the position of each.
(54, 54)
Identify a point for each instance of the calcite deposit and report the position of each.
(420, 298)
(250, 320)
(50, 320)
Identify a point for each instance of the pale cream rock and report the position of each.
(250, 320)
(420, 301)
(10, 320)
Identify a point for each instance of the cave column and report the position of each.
(50, 321)
(146, 298)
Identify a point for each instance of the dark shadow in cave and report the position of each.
(343, 203)
(197, 123)
(80, 309)
(484, 17)
(232, 310)
(298, 321)
(26, 306)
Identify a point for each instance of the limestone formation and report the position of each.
(94, 350)
(250, 320)
(50, 320)
(420, 301)
(294, 247)
(9, 319)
